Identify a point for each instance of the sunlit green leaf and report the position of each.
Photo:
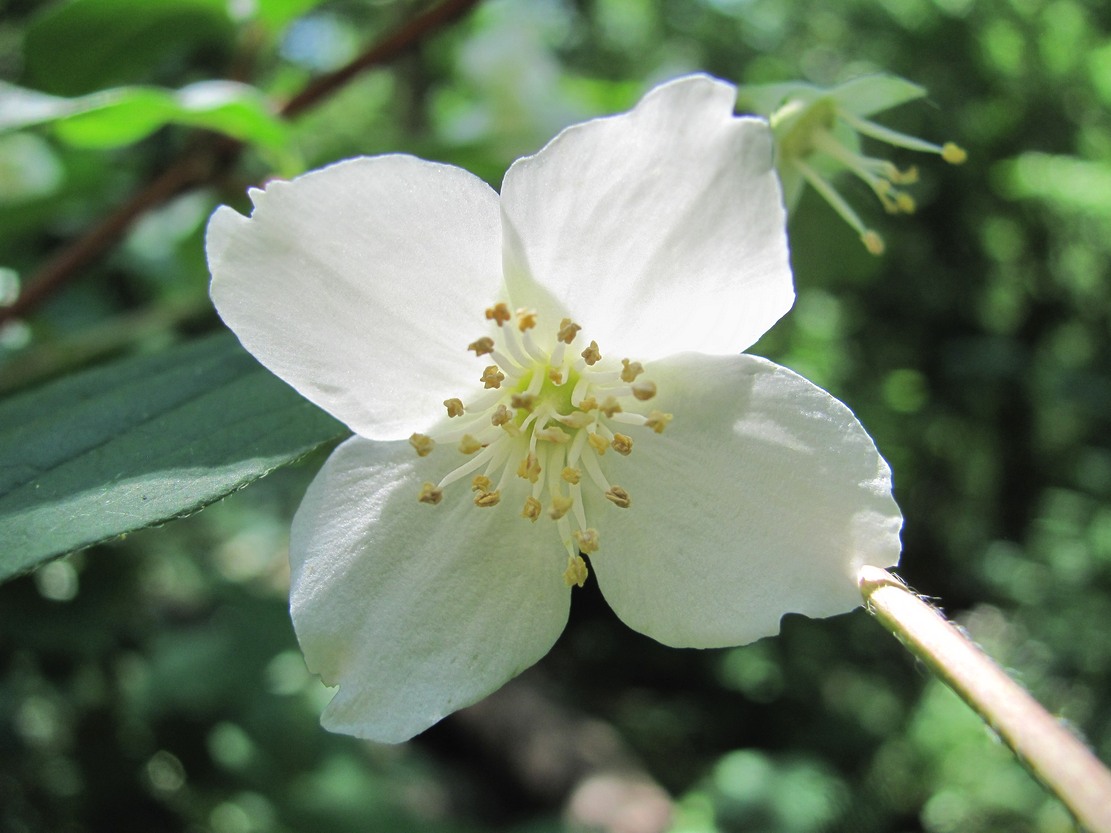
(277, 14)
(139, 442)
(123, 115)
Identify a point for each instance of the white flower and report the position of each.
(818, 132)
(433, 555)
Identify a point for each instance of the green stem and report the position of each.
(1052, 753)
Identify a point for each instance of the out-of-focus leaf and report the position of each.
(277, 14)
(139, 442)
(85, 45)
(124, 115)
(29, 169)
(1079, 186)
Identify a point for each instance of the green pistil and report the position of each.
(556, 397)
(796, 129)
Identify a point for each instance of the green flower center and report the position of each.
(545, 417)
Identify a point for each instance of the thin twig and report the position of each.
(202, 165)
(386, 50)
(190, 170)
(1052, 753)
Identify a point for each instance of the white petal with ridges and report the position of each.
(414, 610)
(661, 229)
(763, 497)
(361, 284)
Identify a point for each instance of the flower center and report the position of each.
(546, 417)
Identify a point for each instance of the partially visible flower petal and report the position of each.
(414, 611)
(764, 497)
(661, 230)
(865, 95)
(361, 283)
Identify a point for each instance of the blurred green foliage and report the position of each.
(154, 683)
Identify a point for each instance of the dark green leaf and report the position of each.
(139, 442)
(86, 45)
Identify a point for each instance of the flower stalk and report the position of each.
(1054, 755)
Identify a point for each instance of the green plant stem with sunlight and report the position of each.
(1054, 755)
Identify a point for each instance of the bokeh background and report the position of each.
(154, 683)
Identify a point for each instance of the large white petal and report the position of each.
(413, 610)
(661, 230)
(764, 496)
(361, 284)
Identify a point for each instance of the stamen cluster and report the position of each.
(546, 417)
(806, 128)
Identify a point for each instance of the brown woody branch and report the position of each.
(205, 162)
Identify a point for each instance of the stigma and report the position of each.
(533, 437)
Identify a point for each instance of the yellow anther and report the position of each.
(658, 420)
(553, 434)
(555, 374)
(591, 354)
(529, 468)
(907, 177)
(598, 443)
(487, 499)
(422, 443)
(532, 509)
(568, 329)
(905, 203)
(587, 539)
(630, 370)
(481, 483)
(430, 494)
(492, 377)
(571, 475)
(872, 242)
(619, 497)
(483, 346)
(469, 445)
(953, 154)
(644, 390)
(560, 506)
(610, 406)
(526, 319)
(501, 415)
(576, 572)
(454, 407)
(522, 400)
(588, 404)
(622, 444)
(499, 313)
